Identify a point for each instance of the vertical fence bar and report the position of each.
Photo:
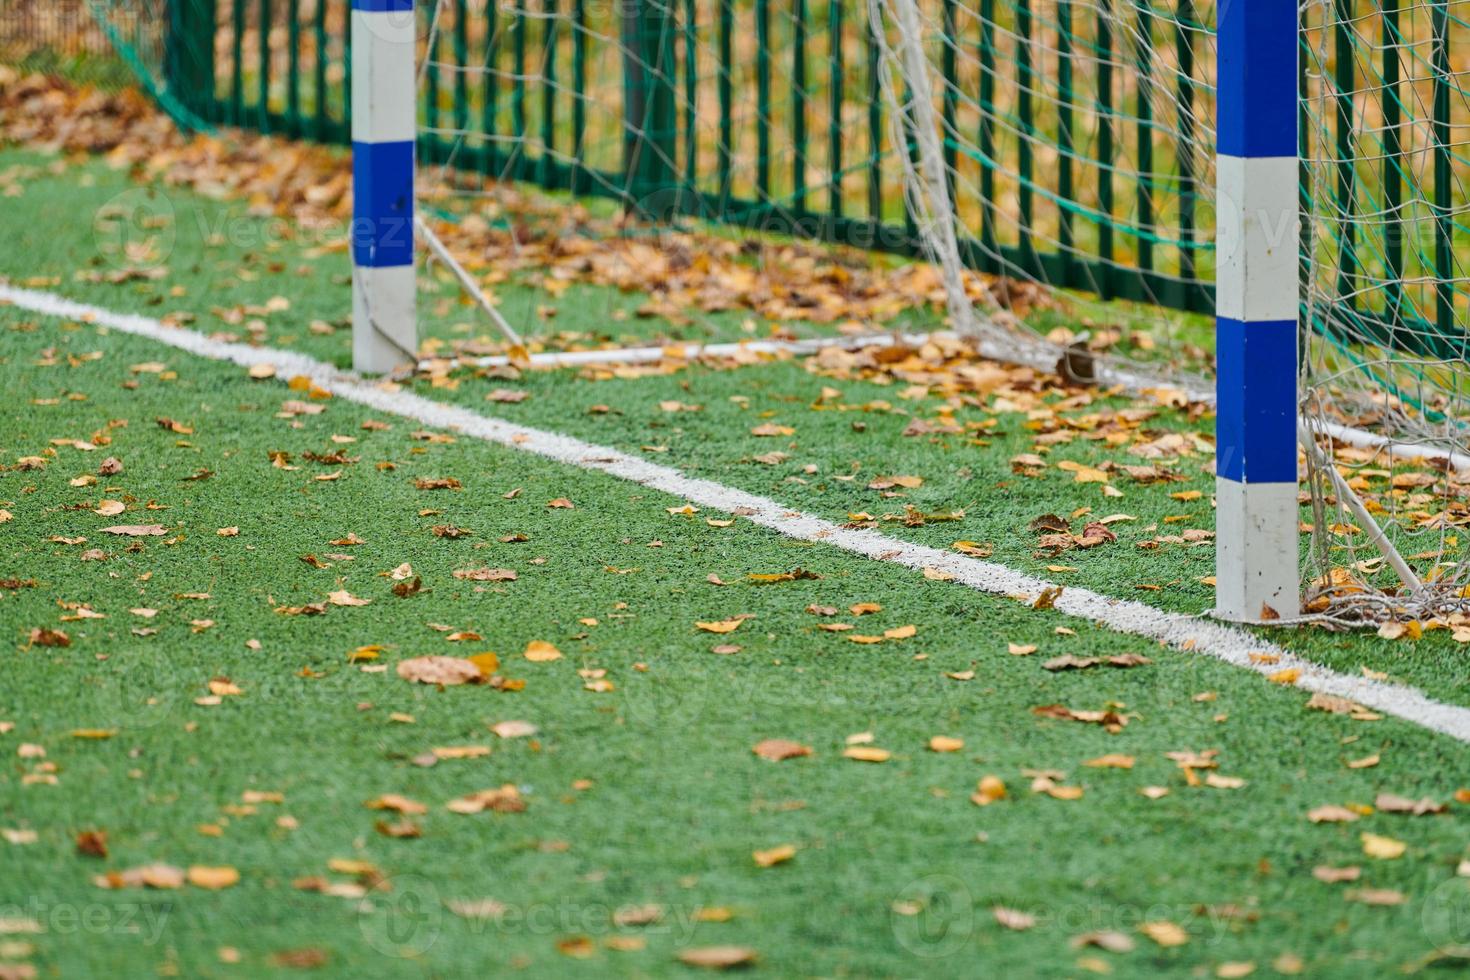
(1444, 259)
(691, 97)
(1024, 163)
(1105, 167)
(1257, 300)
(189, 56)
(1184, 148)
(985, 138)
(547, 167)
(726, 31)
(1347, 230)
(1392, 175)
(1065, 96)
(517, 168)
(384, 332)
(293, 68)
(319, 71)
(763, 100)
(875, 129)
(237, 62)
(798, 107)
(1144, 152)
(461, 113)
(650, 127)
(836, 83)
(263, 65)
(950, 97)
(581, 179)
(490, 93)
(433, 111)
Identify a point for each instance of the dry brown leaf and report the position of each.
(161, 876)
(1392, 803)
(718, 957)
(1382, 848)
(1330, 875)
(780, 749)
(1376, 896)
(1165, 933)
(397, 803)
(1013, 919)
(213, 878)
(988, 790)
(775, 855)
(446, 671)
(1108, 939)
(514, 729)
(540, 652)
(721, 626)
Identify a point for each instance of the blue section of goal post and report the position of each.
(382, 169)
(382, 204)
(384, 130)
(1256, 360)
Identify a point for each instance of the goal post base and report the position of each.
(1257, 578)
(384, 328)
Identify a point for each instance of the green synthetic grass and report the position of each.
(999, 504)
(896, 870)
(207, 280)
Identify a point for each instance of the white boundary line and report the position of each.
(1223, 642)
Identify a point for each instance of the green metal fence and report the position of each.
(740, 111)
(1078, 135)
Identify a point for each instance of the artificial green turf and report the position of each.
(715, 442)
(853, 439)
(677, 801)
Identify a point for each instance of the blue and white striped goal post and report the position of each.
(1257, 576)
(384, 124)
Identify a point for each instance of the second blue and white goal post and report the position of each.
(1257, 574)
(384, 126)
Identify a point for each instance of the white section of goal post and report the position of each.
(1256, 238)
(384, 128)
(1255, 528)
(383, 329)
(383, 109)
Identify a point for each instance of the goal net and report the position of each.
(1071, 145)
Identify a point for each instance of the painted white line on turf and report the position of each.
(1228, 643)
